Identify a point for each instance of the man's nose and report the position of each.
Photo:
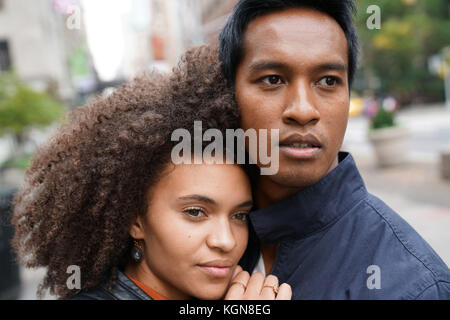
(221, 236)
(300, 105)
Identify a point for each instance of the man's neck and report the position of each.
(268, 192)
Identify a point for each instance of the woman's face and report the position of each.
(195, 230)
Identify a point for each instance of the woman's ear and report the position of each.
(137, 228)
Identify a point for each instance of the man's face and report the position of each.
(293, 77)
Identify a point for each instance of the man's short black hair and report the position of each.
(245, 11)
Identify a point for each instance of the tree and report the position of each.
(397, 54)
(22, 108)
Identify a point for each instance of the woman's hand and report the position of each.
(256, 287)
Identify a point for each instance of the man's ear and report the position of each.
(137, 228)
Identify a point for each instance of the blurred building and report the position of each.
(214, 16)
(152, 33)
(159, 31)
(37, 44)
(117, 38)
(189, 22)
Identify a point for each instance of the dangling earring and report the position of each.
(137, 251)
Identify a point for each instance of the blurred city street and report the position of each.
(57, 55)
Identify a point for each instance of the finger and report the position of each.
(238, 286)
(270, 287)
(254, 286)
(284, 292)
(236, 271)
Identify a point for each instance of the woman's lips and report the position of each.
(216, 271)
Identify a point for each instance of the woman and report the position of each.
(103, 197)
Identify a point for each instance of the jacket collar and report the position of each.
(125, 289)
(122, 289)
(311, 209)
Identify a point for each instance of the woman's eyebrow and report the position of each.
(198, 197)
(248, 203)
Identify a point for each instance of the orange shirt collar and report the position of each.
(149, 291)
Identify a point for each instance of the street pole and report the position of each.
(446, 69)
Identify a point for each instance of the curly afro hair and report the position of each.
(88, 183)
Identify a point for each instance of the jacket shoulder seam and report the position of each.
(428, 287)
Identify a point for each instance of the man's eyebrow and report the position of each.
(198, 197)
(337, 66)
(265, 65)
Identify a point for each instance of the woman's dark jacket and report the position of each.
(123, 289)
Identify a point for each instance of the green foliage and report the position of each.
(382, 119)
(21, 162)
(397, 54)
(22, 108)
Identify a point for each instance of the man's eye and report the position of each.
(328, 81)
(194, 212)
(272, 80)
(243, 216)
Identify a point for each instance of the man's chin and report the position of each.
(296, 179)
(302, 174)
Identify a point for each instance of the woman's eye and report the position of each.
(272, 80)
(243, 216)
(328, 81)
(194, 212)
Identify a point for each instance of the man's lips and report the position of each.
(300, 146)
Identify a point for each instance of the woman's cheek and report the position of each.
(241, 234)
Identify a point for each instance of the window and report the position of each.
(5, 61)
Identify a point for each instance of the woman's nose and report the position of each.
(221, 236)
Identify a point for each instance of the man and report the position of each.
(291, 64)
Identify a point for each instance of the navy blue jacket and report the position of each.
(337, 241)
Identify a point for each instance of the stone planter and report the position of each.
(390, 144)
